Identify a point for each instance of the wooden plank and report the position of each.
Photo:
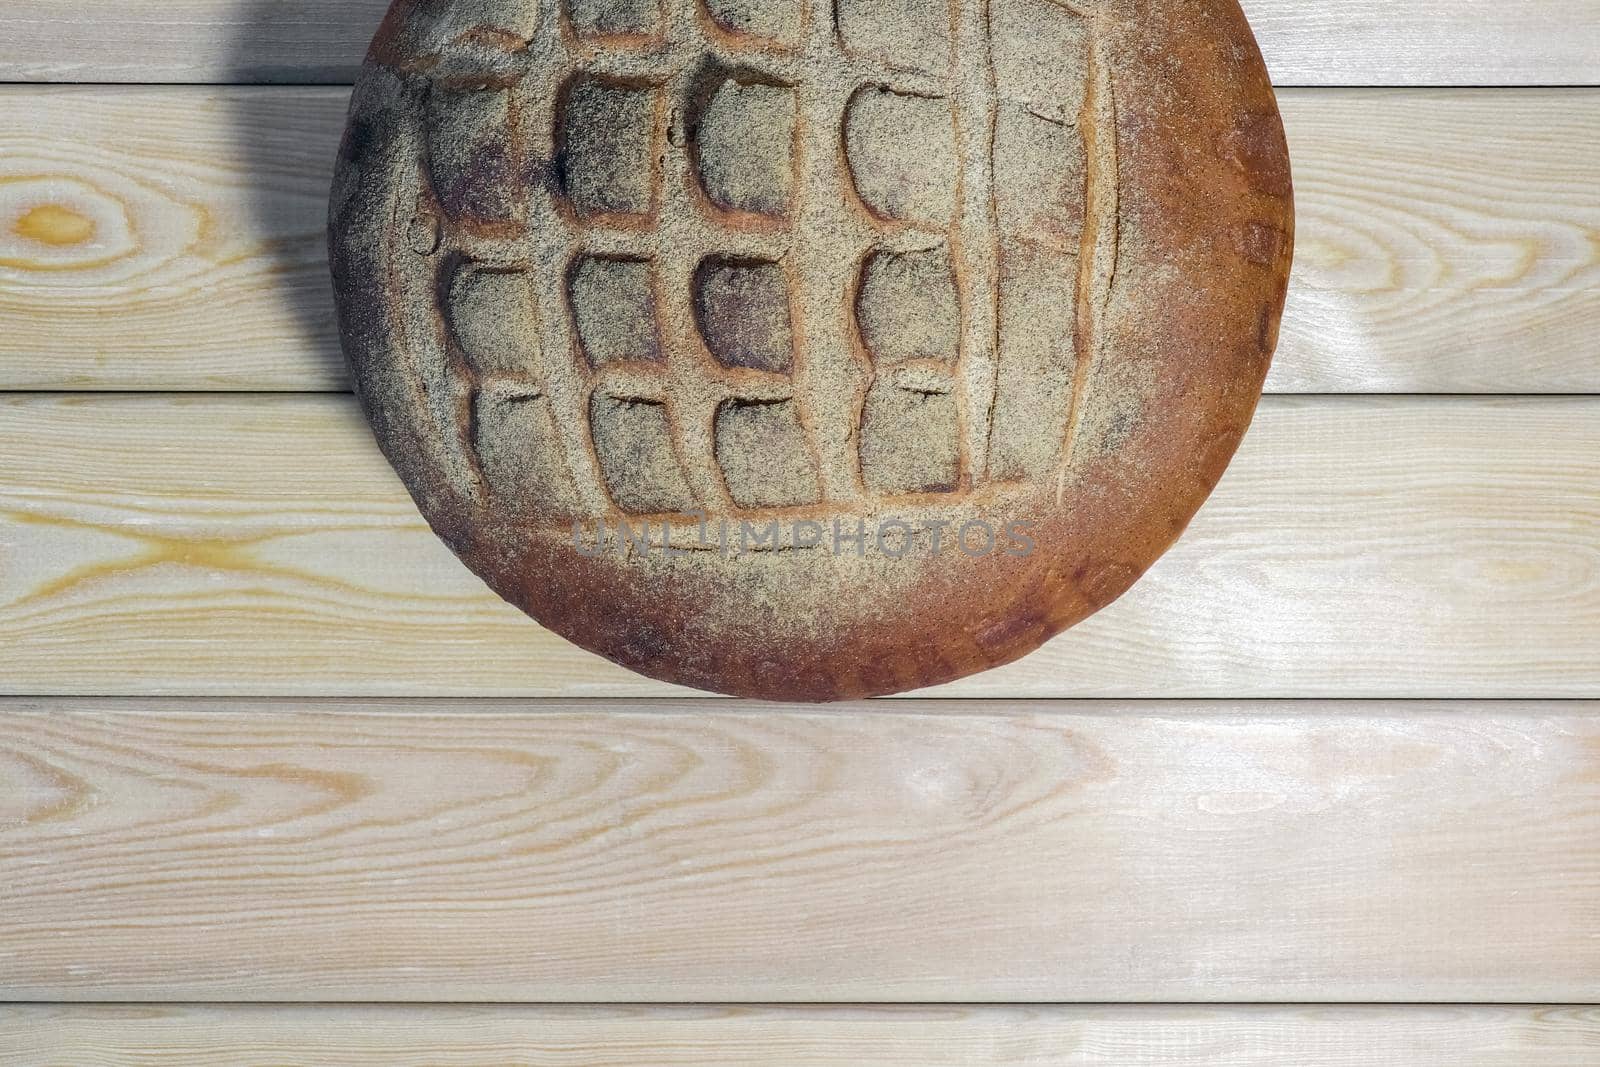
(1351, 42)
(206, 266)
(1382, 547)
(1243, 1036)
(1445, 240)
(219, 41)
(944, 851)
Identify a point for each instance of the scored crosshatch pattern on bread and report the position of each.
(739, 257)
(811, 350)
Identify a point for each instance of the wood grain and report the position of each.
(1382, 547)
(170, 238)
(1448, 240)
(1244, 1036)
(206, 266)
(942, 851)
(1349, 42)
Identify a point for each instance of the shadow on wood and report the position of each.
(274, 139)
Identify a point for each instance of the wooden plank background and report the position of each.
(924, 851)
(1101, 1036)
(224, 564)
(1445, 240)
(1384, 547)
(1347, 42)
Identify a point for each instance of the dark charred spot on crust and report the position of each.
(1118, 430)
(548, 174)
(644, 645)
(360, 141)
(1217, 451)
(1018, 626)
(878, 677)
(1267, 330)
(478, 192)
(1255, 146)
(1259, 242)
(1103, 581)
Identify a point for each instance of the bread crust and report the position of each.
(1182, 318)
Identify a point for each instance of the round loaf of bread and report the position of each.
(811, 349)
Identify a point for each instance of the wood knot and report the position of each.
(54, 225)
